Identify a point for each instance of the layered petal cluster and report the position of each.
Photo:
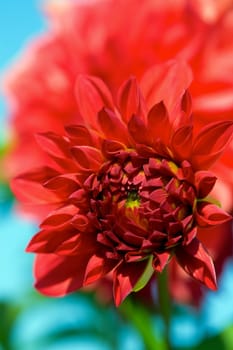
(86, 38)
(129, 189)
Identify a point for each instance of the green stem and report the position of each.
(165, 304)
(140, 318)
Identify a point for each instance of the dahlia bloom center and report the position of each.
(143, 205)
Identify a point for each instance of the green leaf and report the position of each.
(145, 277)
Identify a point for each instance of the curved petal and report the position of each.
(60, 216)
(81, 135)
(139, 131)
(29, 189)
(125, 278)
(87, 158)
(158, 123)
(195, 260)
(97, 268)
(112, 126)
(55, 145)
(54, 240)
(92, 95)
(58, 275)
(209, 214)
(166, 82)
(130, 100)
(63, 185)
(182, 142)
(205, 182)
(210, 143)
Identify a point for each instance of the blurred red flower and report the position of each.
(86, 38)
(129, 189)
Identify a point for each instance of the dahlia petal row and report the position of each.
(128, 188)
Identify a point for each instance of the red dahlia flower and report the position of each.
(129, 189)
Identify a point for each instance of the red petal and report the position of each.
(125, 278)
(209, 214)
(80, 222)
(97, 267)
(166, 82)
(63, 185)
(29, 191)
(130, 100)
(182, 142)
(81, 136)
(55, 145)
(158, 123)
(205, 182)
(160, 261)
(186, 103)
(59, 217)
(88, 158)
(57, 275)
(53, 240)
(195, 260)
(139, 131)
(112, 126)
(111, 148)
(92, 95)
(210, 143)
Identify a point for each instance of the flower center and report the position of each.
(142, 205)
(133, 199)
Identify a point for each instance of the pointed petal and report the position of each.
(80, 222)
(88, 158)
(52, 241)
(160, 83)
(57, 275)
(63, 185)
(81, 136)
(210, 143)
(112, 148)
(97, 268)
(160, 261)
(92, 95)
(195, 260)
(112, 127)
(55, 145)
(209, 214)
(125, 278)
(28, 187)
(158, 123)
(139, 131)
(205, 182)
(130, 100)
(182, 142)
(59, 216)
(186, 103)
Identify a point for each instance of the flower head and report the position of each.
(129, 188)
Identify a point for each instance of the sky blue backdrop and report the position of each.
(20, 20)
